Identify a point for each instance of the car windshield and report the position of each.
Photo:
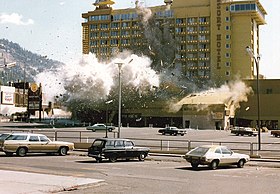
(4, 136)
(98, 143)
(200, 151)
(17, 137)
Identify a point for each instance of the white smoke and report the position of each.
(229, 94)
(145, 12)
(92, 80)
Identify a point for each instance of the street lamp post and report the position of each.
(120, 96)
(257, 61)
(120, 99)
(108, 102)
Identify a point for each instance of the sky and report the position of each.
(53, 28)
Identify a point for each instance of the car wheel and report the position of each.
(194, 165)
(175, 134)
(110, 129)
(142, 157)
(240, 163)
(214, 164)
(182, 134)
(98, 160)
(113, 158)
(93, 130)
(9, 153)
(21, 151)
(163, 133)
(63, 151)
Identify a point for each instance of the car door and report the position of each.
(130, 152)
(227, 157)
(34, 144)
(47, 145)
(120, 149)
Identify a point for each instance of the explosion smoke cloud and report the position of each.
(229, 94)
(91, 80)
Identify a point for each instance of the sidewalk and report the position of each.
(12, 182)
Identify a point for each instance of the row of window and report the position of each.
(243, 7)
(134, 16)
(99, 17)
(192, 20)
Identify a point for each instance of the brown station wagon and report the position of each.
(23, 143)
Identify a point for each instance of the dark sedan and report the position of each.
(114, 149)
(172, 131)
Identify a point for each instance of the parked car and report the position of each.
(275, 133)
(244, 131)
(95, 127)
(172, 131)
(114, 149)
(214, 156)
(23, 143)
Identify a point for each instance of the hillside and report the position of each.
(28, 64)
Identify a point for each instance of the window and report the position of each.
(114, 25)
(34, 138)
(228, 64)
(227, 73)
(114, 33)
(119, 143)
(17, 137)
(228, 37)
(227, 46)
(125, 24)
(227, 55)
(225, 150)
(190, 20)
(218, 151)
(179, 21)
(128, 144)
(93, 26)
(44, 138)
(227, 19)
(202, 19)
(227, 28)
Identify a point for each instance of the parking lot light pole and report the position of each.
(120, 96)
(120, 99)
(108, 102)
(257, 61)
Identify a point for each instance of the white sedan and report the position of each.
(215, 155)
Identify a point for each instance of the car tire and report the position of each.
(163, 133)
(63, 151)
(214, 164)
(9, 153)
(142, 157)
(98, 160)
(93, 130)
(194, 165)
(110, 130)
(182, 134)
(241, 163)
(175, 134)
(113, 158)
(21, 151)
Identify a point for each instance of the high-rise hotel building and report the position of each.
(210, 36)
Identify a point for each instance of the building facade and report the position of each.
(209, 36)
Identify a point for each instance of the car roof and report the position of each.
(211, 146)
(25, 134)
(112, 139)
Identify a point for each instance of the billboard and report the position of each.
(7, 98)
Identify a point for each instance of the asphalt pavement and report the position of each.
(14, 182)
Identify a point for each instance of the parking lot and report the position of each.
(157, 174)
(154, 175)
